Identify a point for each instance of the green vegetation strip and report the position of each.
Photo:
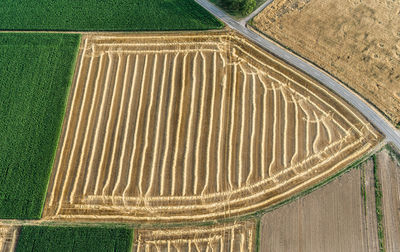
(105, 15)
(378, 203)
(35, 74)
(44, 238)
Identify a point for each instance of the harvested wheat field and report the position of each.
(356, 41)
(340, 216)
(193, 126)
(389, 177)
(8, 237)
(240, 236)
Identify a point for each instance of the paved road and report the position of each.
(391, 133)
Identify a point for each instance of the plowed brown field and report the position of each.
(239, 236)
(356, 41)
(193, 126)
(340, 216)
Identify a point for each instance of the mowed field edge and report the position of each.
(194, 126)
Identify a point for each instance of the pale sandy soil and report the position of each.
(389, 176)
(356, 41)
(232, 237)
(8, 237)
(332, 218)
(193, 126)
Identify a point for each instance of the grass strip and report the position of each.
(35, 75)
(378, 203)
(50, 238)
(105, 15)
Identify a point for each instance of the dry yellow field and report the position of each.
(8, 237)
(193, 126)
(356, 41)
(335, 217)
(240, 236)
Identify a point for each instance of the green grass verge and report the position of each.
(45, 238)
(235, 14)
(35, 74)
(105, 15)
(378, 204)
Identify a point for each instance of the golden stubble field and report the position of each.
(238, 236)
(193, 126)
(356, 41)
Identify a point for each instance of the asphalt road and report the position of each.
(378, 120)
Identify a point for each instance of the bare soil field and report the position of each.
(339, 216)
(389, 177)
(240, 236)
(358, 42)
(8, 237)
(193, 126)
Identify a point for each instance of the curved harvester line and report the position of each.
(158, 133)
(318, 135)
(146, 143)
(275, 133)
(264, 128)
(220, 135)
(138, 117)
(308, 130)
(118, 128)
(214, 83)
(124, 153)
(171, 103)
(203, 89)
(74, 150)
(107, 132)
(68, 127)
(253, 130)
(191, 126)
(285, 129)
(242, 122)
(328, 129)
(296, 109)
(176, 148)
(232, 119)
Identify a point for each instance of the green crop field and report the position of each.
(43, 238)
(105, 15)
(35, 74)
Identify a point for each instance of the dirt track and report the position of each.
(356, 41)
(193, 126)
(8, 238)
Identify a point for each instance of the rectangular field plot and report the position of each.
(47, 238)
(240, 236)
(116, 15)
(193, 126)
(339, 216)
(35, 75)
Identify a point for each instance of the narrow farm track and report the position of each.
(8, 238)
(193, 126)
(239, 236)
